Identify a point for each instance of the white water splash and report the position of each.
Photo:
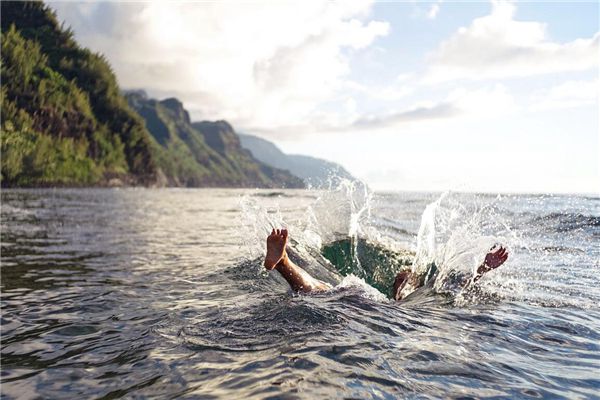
(258, 222)
(426, 239)
(455, 235)
(332, 215)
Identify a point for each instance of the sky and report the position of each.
(497, 96)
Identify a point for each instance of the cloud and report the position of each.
(570, 94)
(252, 63)
(434, 10)
(482, 103)
(388, 92)
(487, 102)
(498, 46)
(422, 113)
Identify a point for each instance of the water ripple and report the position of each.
(153, 293)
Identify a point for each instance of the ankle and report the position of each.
(283, 262)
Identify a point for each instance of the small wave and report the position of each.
(564, 222)
(393, 226)
(254, 327)
(366, 290)
(269, 194)
(562, 249)
(283, 194)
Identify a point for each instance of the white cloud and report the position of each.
(569, 94)
(390, 92)
(433, 11)
(259, 64)
(350, 105)
(480, 104)
(498, 46)
(416, 114)
(486, 102)
(473, 104)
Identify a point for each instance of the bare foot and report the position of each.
(276, 242)
(495, 258)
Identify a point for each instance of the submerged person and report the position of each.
(405, 282)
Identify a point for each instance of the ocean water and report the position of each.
(142, 293)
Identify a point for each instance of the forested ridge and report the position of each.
(203, 153)
(65, 121)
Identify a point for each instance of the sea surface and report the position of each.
(160, 293)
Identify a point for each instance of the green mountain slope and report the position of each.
(203, 153)
(64, 120)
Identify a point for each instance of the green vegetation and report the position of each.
(64, 120)
(202, 153)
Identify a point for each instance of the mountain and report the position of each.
(202, 153)
(316, 172)
(64, 121)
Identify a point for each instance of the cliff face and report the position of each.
(316, 172)
(203, 153)
(220, 136)
(64, 121)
